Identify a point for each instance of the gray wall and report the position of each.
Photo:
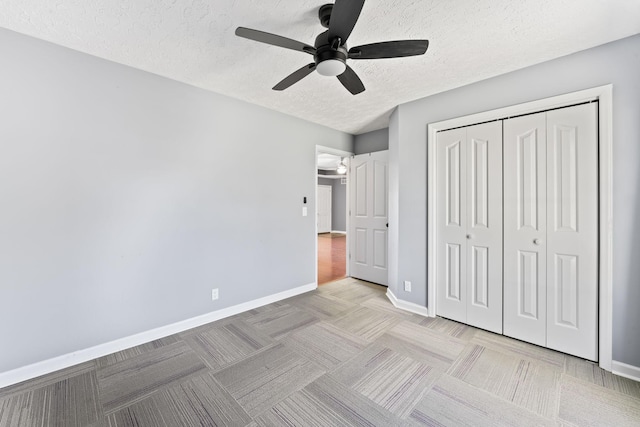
(126, 197)
(325, 181)
(376, 140)
(339, 206)
(617, 63)
(338, 203)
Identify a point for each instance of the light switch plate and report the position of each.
(304, 211)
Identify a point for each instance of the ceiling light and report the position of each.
(331, 67)
(342, 168)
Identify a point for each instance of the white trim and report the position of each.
(338, 232)
(605, 124)
(605, 148)
(61, 362)
(407, 306)
(624, 370)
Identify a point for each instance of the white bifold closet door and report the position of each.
(551, 229)
(469, 225)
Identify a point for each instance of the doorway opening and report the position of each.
(331, 214)
(332, 260)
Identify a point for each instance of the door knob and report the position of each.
(536, 241)
(468, 236)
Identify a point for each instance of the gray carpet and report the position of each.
(338, 356)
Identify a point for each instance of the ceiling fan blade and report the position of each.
(351, 81)
(394, 49)
(295, 77)
(273, 39)
(344, 16)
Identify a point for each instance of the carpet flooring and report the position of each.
(341, 355)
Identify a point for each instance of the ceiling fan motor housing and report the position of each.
(328, 54)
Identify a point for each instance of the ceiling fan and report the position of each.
(330, 51)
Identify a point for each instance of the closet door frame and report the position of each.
(603, 94)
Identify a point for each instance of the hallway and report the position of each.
(332, 257)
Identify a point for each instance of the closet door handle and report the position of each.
(468, 236)
(536, 241)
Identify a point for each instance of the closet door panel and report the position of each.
(484, 226)
(451, 224)
(572, 236)
(525, 217)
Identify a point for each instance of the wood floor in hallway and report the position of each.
(332, 257)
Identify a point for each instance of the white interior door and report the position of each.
(572, 230)
(551, 229)
(324, 208)
(525, 215)
(469, 225)
(451, 254)
(484, 226)
(368, 209)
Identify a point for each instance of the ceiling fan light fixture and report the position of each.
(331, 67)
(342, 168)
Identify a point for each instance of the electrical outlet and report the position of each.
(407, 286)
(214, 294)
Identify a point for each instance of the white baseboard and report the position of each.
(338, 232)
(407, 306)
(624, 370)
(67, 360)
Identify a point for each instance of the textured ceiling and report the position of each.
(193, 41)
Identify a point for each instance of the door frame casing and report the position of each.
(604, 95)
(347, 155)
